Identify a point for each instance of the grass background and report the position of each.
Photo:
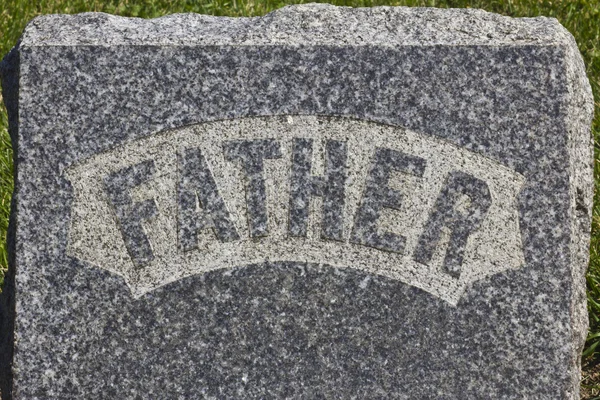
(580, 17)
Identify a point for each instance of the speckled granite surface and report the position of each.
(319, 203)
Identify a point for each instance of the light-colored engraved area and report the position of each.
(95, 236)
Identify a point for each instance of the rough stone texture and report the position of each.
(507, 92)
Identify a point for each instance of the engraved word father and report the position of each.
(329, 190)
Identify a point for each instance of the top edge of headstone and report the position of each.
(309, 24)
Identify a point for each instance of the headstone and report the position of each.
(320, 203)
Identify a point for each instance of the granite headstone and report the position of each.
(319, 203)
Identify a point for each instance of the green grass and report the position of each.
(581, 18)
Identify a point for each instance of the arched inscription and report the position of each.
(337, 191)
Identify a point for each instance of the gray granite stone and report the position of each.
(319, 203)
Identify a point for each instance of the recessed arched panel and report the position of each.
(319, 189)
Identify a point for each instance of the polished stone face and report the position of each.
(320, 203)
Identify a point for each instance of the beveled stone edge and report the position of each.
(309, 24)
(9, 77)
(580, 105)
